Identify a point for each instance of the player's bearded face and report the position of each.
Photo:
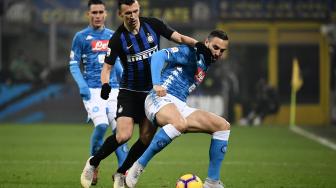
(130, 14)
(217, 47)
(97, 15)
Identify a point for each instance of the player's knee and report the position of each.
(224, 125)
(123, 137)
(221, 125)
(181, 125)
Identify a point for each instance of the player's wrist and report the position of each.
(105, 85)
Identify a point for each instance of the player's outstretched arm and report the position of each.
(183, 39)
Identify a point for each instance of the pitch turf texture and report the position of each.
(52, 156)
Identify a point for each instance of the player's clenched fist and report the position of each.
(160, 91)
(105, 91)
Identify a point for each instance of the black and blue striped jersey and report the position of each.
(135, 52)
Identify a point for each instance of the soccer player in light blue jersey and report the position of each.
(90, 47)
(175, 73)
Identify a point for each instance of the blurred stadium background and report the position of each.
(265, 37)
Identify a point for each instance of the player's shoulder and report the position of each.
(84, 31)
(80, 34)
(108, 30)
(119, 31)
(183, 48)
(150, 20)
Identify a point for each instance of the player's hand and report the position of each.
(202, 50)
(160, 91)
(85, 93)
(105, 91)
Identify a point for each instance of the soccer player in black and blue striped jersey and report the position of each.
(134, 42)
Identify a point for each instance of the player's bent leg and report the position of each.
(201, 121)
(161, 139)
(206, 122)
(172, 120)
(121, 152)
(125, 127)
(138, 147)
(87, 174)
(169, 114)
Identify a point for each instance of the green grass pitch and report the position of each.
(52, 156)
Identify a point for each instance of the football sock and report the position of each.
(97, 138)
(133, 154)
(217, 151)
(109, 146)
(121, 152)
(161, 139)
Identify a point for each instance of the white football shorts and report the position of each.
(102, 111)
(154, 103)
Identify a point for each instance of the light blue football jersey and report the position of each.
(183, 72)
(90, 47)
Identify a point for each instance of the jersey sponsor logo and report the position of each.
(99, 45)
(199, 75)
(142, 55)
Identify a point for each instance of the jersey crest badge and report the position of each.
(150, 38)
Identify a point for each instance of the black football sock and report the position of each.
(133, 154)
(109, 146)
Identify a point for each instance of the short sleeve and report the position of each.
(113, 50)
(161, 28)
(179, 55)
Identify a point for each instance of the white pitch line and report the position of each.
(314, 137)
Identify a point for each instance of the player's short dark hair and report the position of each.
(125, 2)
(95, 2)
(218, 33)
